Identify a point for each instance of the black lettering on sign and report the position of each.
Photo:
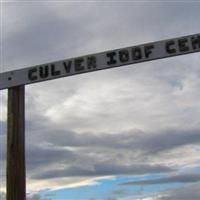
(78, 64)
(91, 62)
(44, 71)
(111, 57)
(136, 53)
(67, 66)
(31, 74)
(182, 44)
(195, 42)
(169, 48)
(124, 55)
(148, 50)
(54, 72)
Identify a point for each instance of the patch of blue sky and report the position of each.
(108, 188)
(197, 169)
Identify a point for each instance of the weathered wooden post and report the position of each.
(16, 172)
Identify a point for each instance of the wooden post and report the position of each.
(16, 171)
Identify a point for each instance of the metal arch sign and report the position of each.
(99, 61)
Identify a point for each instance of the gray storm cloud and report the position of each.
(104, 169)
(185, 178)
(190, 191)
(147, 142)
(72, 151)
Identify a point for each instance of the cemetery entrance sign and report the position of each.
(99, 61)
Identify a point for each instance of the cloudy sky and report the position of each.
(119, 134)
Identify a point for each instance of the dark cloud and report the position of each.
(184, 193)
(169, 140)
(150, 143)
(103, 169)
(185, 178)
(90, 155)
(38, 156)
(38, 196)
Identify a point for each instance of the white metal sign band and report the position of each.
(99, 61)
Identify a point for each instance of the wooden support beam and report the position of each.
(16, 171)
